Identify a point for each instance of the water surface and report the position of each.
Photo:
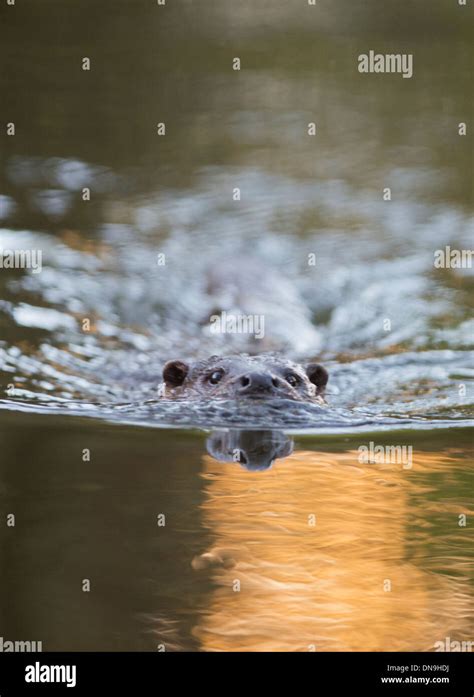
(83, 342)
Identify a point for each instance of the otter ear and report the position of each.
(318, 376)
(174, 373)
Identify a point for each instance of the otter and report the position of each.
(243, 377)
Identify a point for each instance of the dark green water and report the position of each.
(394, 331)
(171, 584)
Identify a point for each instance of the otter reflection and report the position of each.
(254, 450)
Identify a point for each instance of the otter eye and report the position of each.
(215, 377)
(292, 379)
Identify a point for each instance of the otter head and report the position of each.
(245, 377)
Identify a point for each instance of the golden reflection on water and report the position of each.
(322, 587)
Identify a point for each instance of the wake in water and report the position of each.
(90, 333)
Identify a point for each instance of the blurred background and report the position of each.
(173, 194)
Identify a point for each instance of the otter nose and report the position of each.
(257, 382)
